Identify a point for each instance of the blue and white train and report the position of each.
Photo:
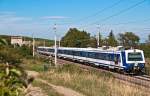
(131, 60)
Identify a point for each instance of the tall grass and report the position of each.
(90, 83)
(147, 65)
(33, 64)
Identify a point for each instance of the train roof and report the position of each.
(100, 49)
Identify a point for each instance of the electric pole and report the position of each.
(55, 45)
(33, 46)
(59, 42)
(44, 43)
(98, 37)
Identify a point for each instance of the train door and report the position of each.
(111, 61)
(117, 60)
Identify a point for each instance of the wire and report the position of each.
(104, 9)
(129, 22)
(95, 14)
(118, 13)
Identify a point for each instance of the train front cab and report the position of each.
(133, 61)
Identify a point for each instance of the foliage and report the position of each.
(25, 51)
(6, 39)
(33, 64)
(12, 80)
(3, 42)
(12, 76)
(93, 42)
(76, 38)
(146, 49)
(128, 39)
(111, 39)
(9, 55)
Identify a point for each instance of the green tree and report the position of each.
(75, 38)
(93, 42)
(128, 39)
(111, 39)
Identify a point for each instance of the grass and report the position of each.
(147, 65)
(90, 83)
(34, 64)
(46, 89)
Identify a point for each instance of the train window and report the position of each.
(99, 56)
(136, 56)
(107, 57)
(50, 50)
(96, 56)
(76, 53)
(82, 54)
(91, 54)
(103, 56)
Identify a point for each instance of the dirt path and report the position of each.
(59, 89)
(34, 91)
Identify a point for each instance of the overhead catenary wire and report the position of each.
(95, 14)
(129, 22)
(116, 14)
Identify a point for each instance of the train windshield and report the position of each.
(136, 56)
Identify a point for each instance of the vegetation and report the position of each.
(93, 42)
(35, 64)
(129, 39)
(12, 76)
(76, 38)
(13, 79)
(90, 83)
(111, 41)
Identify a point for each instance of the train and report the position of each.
(115, 58)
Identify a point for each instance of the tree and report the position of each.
(75, 38)
(111, 39)
(93, 42)
(128, 39)
(148, 41)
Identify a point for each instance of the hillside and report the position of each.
(39, 41)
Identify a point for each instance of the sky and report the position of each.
(37, 17)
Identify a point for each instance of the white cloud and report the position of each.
(10, 17)
(55, 17)
(7, 13)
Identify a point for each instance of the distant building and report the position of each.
(18, 40)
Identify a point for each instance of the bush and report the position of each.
(12, 80)
(12, 76)
(146, 49)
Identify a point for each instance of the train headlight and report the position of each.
(135, 64)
